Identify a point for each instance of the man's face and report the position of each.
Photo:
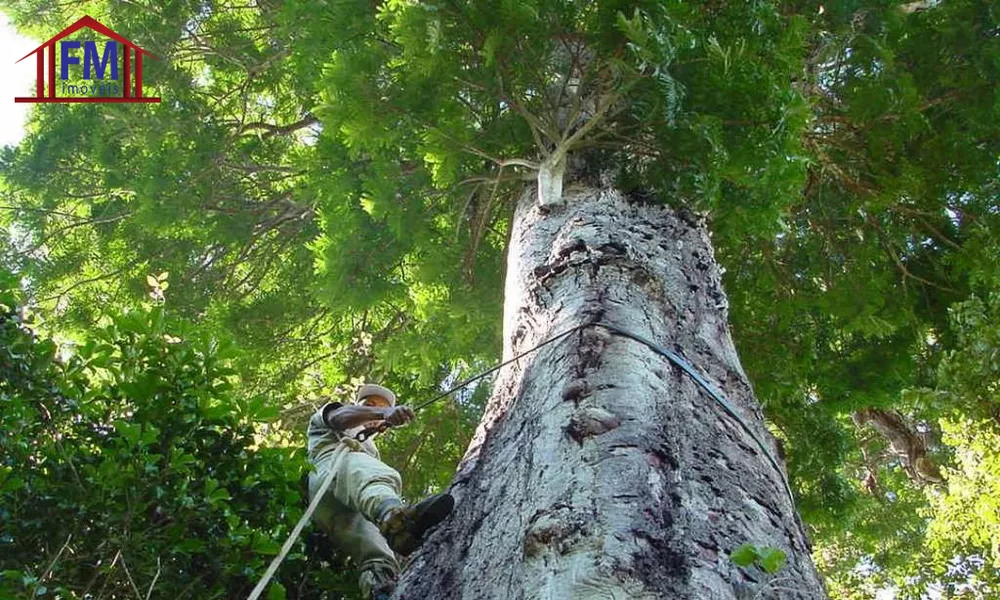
(375, 401)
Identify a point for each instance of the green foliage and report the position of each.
(129, 461)
(965, 527)
(938, 538)
(329, 185)
(767, 558)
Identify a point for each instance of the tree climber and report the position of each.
(362, 511)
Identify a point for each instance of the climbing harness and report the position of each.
(671, 356)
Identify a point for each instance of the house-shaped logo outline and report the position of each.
(90, 22)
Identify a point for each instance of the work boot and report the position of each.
(384, 591)
(377, 584)
(404, 527)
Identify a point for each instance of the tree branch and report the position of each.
(276, 130)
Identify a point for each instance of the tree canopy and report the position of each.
(323, 196)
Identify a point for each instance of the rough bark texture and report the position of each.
(600, 470)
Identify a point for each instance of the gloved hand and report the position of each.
(399, 415)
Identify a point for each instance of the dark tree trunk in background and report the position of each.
(599, 469)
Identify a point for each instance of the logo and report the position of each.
(100, 71)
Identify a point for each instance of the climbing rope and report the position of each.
(671, 356)
(294, 535)
(710, 390)
(381, 427)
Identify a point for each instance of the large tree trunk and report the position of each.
(599, 469)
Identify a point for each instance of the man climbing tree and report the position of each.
(335, 183)
(361, 510)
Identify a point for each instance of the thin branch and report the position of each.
(907, 273)
(896, 259)
(69, 461)
(939, 235)
(39, 210)
(66, 228)
(532, 120)
(52, 564)
(128, 574)
(919, 216)
(502, 162)
(59, 295)
(155, 577)
(480, 180)
(274, 130)
(567, 76)
(190, 586)
(599, 115)
(107, 579)
(468, 202)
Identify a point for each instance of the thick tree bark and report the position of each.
(599, 469)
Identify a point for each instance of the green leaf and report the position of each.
(772, 559)
(214, 412)
(744, 555)
(128, 431)
(263, 545)
(179, 460)
(219, 495)
(190, 546)
(260, 409)
(276, 592)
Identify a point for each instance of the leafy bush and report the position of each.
(130, 464)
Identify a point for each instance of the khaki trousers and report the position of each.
(361, 482)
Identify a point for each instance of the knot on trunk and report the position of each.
(591, 421)
(576, 390)
(593, 340)
(558, 529)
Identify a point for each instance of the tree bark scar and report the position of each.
(592, 343)
(557, 529)
(577, 390)
(592, 421)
